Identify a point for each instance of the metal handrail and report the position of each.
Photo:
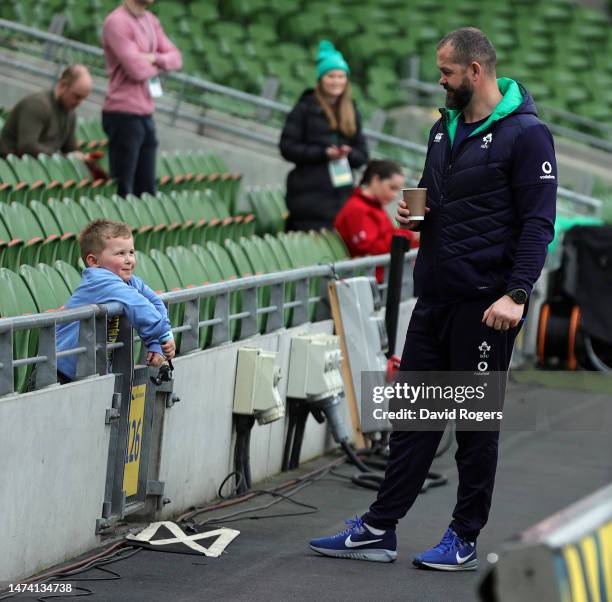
(92, 347)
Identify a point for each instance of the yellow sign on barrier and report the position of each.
(584, 569)
(132, 451)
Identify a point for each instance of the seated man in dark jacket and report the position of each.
(45, 122)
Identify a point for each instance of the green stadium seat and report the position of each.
(336, 244)
(44, 295)
(71, 276)
(36, 187)
(224, 265)
(21, 224)
(193, 273)
(56, 282)
(172, 282)
(16, 300)
(68, 246)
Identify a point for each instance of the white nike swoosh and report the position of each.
(461, 560)
(355, 544)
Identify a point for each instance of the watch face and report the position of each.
(519, 296)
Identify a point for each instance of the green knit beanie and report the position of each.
(329, 58)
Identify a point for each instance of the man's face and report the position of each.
(118, 256)
(454, 79)
(71, 96)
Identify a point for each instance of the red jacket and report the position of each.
(366, 228)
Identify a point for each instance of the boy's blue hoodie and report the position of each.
(142, 306)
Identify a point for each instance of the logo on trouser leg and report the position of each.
(484, 349)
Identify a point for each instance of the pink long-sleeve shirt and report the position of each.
(125, 39)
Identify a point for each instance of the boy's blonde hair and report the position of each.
(93, 236)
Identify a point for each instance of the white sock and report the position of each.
(373, 530)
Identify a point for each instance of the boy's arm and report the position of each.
(152, 296)
(167, 339)
(150, 323)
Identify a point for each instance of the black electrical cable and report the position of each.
(97, 565)
(225, 480)
(298, 439)
(279, 497)
(246, 452)
(289, 441)
(96, 562)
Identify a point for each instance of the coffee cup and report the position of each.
(415, 199)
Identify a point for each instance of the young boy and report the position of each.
(107, 249)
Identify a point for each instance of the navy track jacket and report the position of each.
(492, 203)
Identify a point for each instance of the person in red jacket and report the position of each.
(363, 222)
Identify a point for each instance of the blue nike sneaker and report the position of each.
(451, 554)
(358, 543)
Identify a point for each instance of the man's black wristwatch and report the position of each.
(518, 295)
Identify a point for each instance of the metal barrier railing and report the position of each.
(92, 348)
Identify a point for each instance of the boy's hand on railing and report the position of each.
(155, 359)
(169, 349)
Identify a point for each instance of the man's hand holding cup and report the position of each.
(411, 209)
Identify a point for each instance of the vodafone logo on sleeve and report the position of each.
(546, 170)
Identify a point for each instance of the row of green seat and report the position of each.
(28, 178)
(31, 289)
(186, 170)
(46, 176)
(47, 230)
(269, 208)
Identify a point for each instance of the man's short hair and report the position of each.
(94, 235)
(71, 74)
(471, 45)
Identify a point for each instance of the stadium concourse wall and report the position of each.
(54, 445)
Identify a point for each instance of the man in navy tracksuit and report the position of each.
(490, 175)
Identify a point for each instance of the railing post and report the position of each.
(46, 372)
(249, 303)
(276, 318)
(190, 339)
(302, 294)
(221, 331)
(101, 335)
(7, 382)
(269, 90)
(123, 363)
(177, 104)
(86, 362)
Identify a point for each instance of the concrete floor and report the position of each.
(540, 472)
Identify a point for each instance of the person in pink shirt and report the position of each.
(136, 51)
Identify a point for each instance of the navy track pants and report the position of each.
(445, 338)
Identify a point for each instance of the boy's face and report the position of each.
(118, 257)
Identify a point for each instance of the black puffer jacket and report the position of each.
(311, 199)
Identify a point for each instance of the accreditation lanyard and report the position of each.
(340, 172)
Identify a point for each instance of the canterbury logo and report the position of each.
(349, 543)
(461, 559)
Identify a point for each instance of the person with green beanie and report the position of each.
(324, 139)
